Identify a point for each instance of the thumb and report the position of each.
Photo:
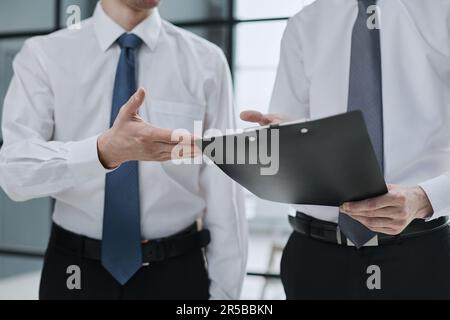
(133, 104)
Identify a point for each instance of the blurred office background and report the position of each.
(248, 31)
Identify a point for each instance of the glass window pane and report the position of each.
(14, 266)
(260, 9)
(253, 89)
(256, 58)
(87, 7)
(265, 249)
(218, 35)
(8, 50)
(193, 10)
(258, 43)
(19, 278)
(26, 15)
(25, 225)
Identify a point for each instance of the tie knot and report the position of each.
(129, 40)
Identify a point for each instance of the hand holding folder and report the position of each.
(322, 162)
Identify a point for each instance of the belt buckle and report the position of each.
(155, 252)
(143, 243)
(338, 235)
(371, 243)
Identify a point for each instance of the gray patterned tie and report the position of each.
(365, 94)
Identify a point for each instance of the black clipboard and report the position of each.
(322, 162)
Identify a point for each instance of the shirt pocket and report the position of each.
(177, 115)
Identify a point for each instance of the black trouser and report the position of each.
(183, 277)
(415, 268)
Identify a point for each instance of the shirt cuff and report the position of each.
(438, 192)
(83, 160)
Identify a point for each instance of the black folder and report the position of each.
(322, 162)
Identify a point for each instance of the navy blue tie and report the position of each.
(121, 241)
(365, 94)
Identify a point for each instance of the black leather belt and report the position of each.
(330, 232)
(152, 251)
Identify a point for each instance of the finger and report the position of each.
(372, 204)
(185, 139)
(381, 225)
(163, 136)
(387, 212)
(255, 116)
(133, 104)
(172, 137)
(184, 152)
(165, 147)
(171, 156)
(375, 222)
(274, 119)
(164, 156)
(389, 231)
(178, 150)
(156, 151)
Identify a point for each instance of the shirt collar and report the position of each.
(108, 31)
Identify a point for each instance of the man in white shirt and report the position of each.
(130, 227)
(336, 56)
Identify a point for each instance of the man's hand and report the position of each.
(131, 138)
(392, 212)
(261, 119)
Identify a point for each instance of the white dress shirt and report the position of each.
(59, 102)
(313, 81)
